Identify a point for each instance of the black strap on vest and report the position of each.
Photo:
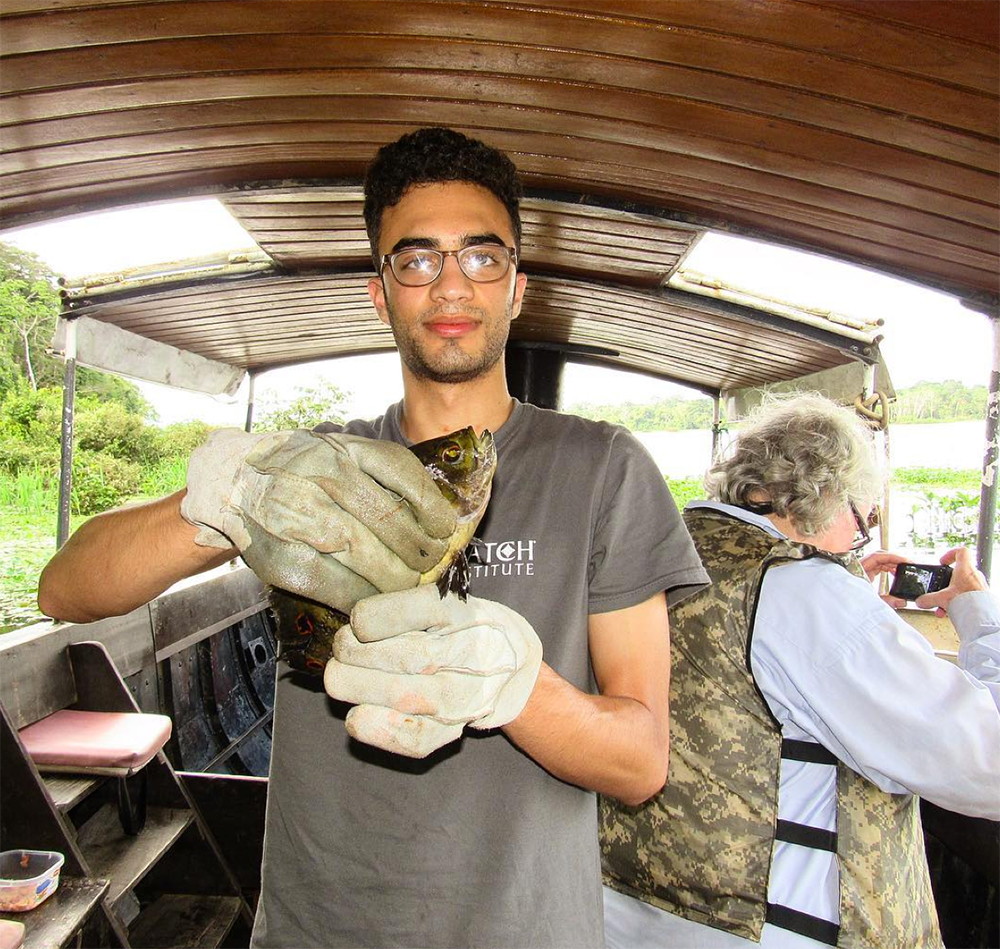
(822, 930)
(792, 749)
(813, 927)
(805, 836)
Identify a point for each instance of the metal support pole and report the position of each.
(249, 424)
(716, 422)
(869, 388)
(988, 493)
(534, 375)
(66, 439)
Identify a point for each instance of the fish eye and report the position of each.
(452, 453)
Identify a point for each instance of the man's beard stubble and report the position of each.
(452, 364)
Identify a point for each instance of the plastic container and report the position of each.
(27, 877)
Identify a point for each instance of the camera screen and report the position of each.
(912, 581)
(915, 579)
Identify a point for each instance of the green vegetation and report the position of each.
(29, 304)
(667, 415)
(924, 402)
(27, 541)
(305, 408)
(939, 402)
(685, 490)
(120, 455)
(920, 477)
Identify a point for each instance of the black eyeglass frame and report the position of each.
(441, 254)
(863, 526)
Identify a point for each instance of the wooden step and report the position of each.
(55, 922)
(125, 860)
(68, 789)
(183, 921)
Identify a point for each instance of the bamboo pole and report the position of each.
(66, 438)
(988, 491)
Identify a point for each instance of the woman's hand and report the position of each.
(884, 562)
(964, 579)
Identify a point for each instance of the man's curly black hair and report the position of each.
(431, 155)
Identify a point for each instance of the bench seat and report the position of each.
(112, 743)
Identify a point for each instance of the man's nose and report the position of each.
(452, 283)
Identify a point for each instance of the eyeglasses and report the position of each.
(419, 266)
(862, 536)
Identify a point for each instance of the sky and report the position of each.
(914, 346)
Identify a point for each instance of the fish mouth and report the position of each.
(464, 480)
(485, 447)
(476, 487)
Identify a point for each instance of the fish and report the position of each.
(462, 465)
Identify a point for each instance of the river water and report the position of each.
(945, 445)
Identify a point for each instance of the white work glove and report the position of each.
(331, 517)
(418, 668)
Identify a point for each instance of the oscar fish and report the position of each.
(462, 465)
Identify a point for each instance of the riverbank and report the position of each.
(957, 445)
(27, 539)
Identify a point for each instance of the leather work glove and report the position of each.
(419, 668)
(328, 516)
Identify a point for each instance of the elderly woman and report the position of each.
(805, 715)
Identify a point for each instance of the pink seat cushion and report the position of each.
(95, 742)
(11, 934)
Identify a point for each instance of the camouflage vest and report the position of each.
(701, 848)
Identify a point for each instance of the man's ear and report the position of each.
(376, 293)
(520, 282)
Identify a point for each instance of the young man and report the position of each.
(490, 839)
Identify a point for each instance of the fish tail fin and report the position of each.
(456, 579)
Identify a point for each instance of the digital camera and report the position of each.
(916, 579)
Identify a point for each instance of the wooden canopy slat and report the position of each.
(636, 29)
(969, 220)
(713, 133)
(965, 20)
(616, 309)
(268, 321)
(614, 143)
(924, 47)
(890, 121)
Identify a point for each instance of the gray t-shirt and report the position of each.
(476, 845)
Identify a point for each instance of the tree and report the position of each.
(29, 309)
(306, 409)
(29, 306)
(667, 415)
(111, 388)
(949, 401)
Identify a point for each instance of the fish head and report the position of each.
(462, 465)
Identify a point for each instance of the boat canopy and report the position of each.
(862, 131)
(601, 290)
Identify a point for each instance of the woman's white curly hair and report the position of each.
(806, 455)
